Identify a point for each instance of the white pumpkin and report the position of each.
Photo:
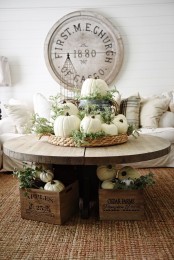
(105, 172)
(90, 124)
(128, 182)
(65, 124)
(99, 117)
(110, 129)
(108, 185)
(93, 86)
(46, 176)
(128, 172)
(37, 174)
(69, 107)
(54, 185)
(121, 122)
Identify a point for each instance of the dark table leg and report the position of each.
(88, 188)
(88, 183)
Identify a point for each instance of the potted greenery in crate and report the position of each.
(44, 199)
(36, 177)
(121, 195)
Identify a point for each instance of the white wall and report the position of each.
(146, 26)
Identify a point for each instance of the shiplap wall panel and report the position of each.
(67, 3)
(146, 26)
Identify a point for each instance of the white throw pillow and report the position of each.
(41, 105)
(20, 115)
(167, 119)
(151, 111)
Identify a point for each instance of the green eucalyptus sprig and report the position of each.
(98, 96)
(41, 125)
(107, 116)
(56, 109)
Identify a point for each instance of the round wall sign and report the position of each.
(83, 44)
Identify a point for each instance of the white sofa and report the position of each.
(153, 116)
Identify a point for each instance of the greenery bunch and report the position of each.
(41, 125)
(80, 137)
(26, 177)
(137, 184)
(98, 96)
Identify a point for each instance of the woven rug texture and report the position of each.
(91, 239)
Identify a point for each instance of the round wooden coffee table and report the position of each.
(143, 148)
(30, 148)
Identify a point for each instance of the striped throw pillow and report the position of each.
(130, 107)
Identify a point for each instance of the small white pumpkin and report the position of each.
(90, 124)
(46, 176)
(37, 174)
(65, 124)
(99, 117)
(128, 172)
(54, 185)
(94, 86)
(108, 185)
(128, 182)
(121, 122)
(105, 172)
(69, 107)
(110, 129)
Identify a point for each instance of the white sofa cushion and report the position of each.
(151, 111)
(167, 120)
(8, 136)
(166, 133)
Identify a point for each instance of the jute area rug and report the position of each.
(152, 238)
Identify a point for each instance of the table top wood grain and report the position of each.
(30, 148)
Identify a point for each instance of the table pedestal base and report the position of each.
(88, 188)
(88, 183)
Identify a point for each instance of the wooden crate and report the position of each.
(121, 204)
(48, 206)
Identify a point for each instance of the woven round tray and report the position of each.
(102, 141)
